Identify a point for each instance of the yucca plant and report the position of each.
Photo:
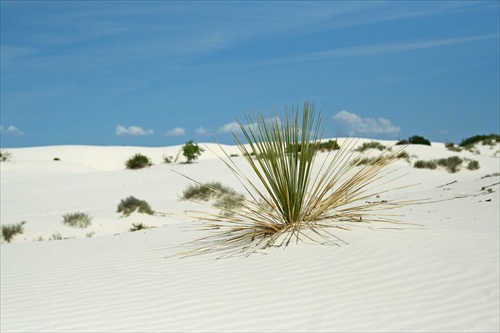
(293, 200)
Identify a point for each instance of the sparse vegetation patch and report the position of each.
(10, 230)
(138, 226)
(491, 139)
(371, 145)
(452, 164)
(5, 156)
(77, 220)
(131, 204)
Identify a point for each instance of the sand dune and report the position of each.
(439, 272)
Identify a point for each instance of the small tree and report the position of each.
(191, 151)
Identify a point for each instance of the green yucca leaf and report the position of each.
(293, 198)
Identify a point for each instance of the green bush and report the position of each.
(329, 145)
(452, 164)
(473, 165)
(77, 220)
(191, 151)
(371, 145)
(486, 139)
(57, 159)
(415, 140)
(5, 156)
(131, 204)
(138, 226)
(10, 230)
(425, 165)
(138, 161)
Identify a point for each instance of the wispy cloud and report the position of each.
(176, 132)
(380, 49)
(201, 131)
(358, 125)
(11, 130)
(234, 127)
(132, 131)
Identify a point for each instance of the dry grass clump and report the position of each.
(77, 220)
(225, 198)
(131, 204)
(10, 230)
(371, 145)
(293, 199)
(452, 164)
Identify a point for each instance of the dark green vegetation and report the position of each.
(191, 151)
(138, 161)
(483, 139)
(131, 204)
(415, 140)
(10, 230)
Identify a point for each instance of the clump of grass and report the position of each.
(56, 236)
(452, 163)
(495, 174)
(290, 201)
(77, 220)
(420, 164)
(226, 198)
(371, 145)
(451, 147)
(329, 145)
(138, 161)
(131, 204)
(168, 159)
(5, 156)
(138, 226)
(10, 230)
(472, 165)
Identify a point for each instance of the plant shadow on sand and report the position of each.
(292, 201)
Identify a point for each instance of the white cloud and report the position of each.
(203, 131)
(359, 125)
(11, 130)
(235, 127)
(176, 132)
(229, 128)
(132, 131)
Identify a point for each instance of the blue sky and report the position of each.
(160, 73)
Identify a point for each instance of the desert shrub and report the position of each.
(10, 230)
(403, 155)
(367, 160)
(138, 226)
(57, 159)
(420, 164)
(56, 236)
(486, 139)
(452, 164)
(129, 205)
(5, 156)
(138, 161)
(452, 147)
(328, 145)
(415, 140)
(225, 198)
(289, 201)
(472, 165)
(371, 145)
(191, 151)
(90, 234)
(77, 220)
(168, 159)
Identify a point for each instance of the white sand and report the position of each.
(441, 276)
